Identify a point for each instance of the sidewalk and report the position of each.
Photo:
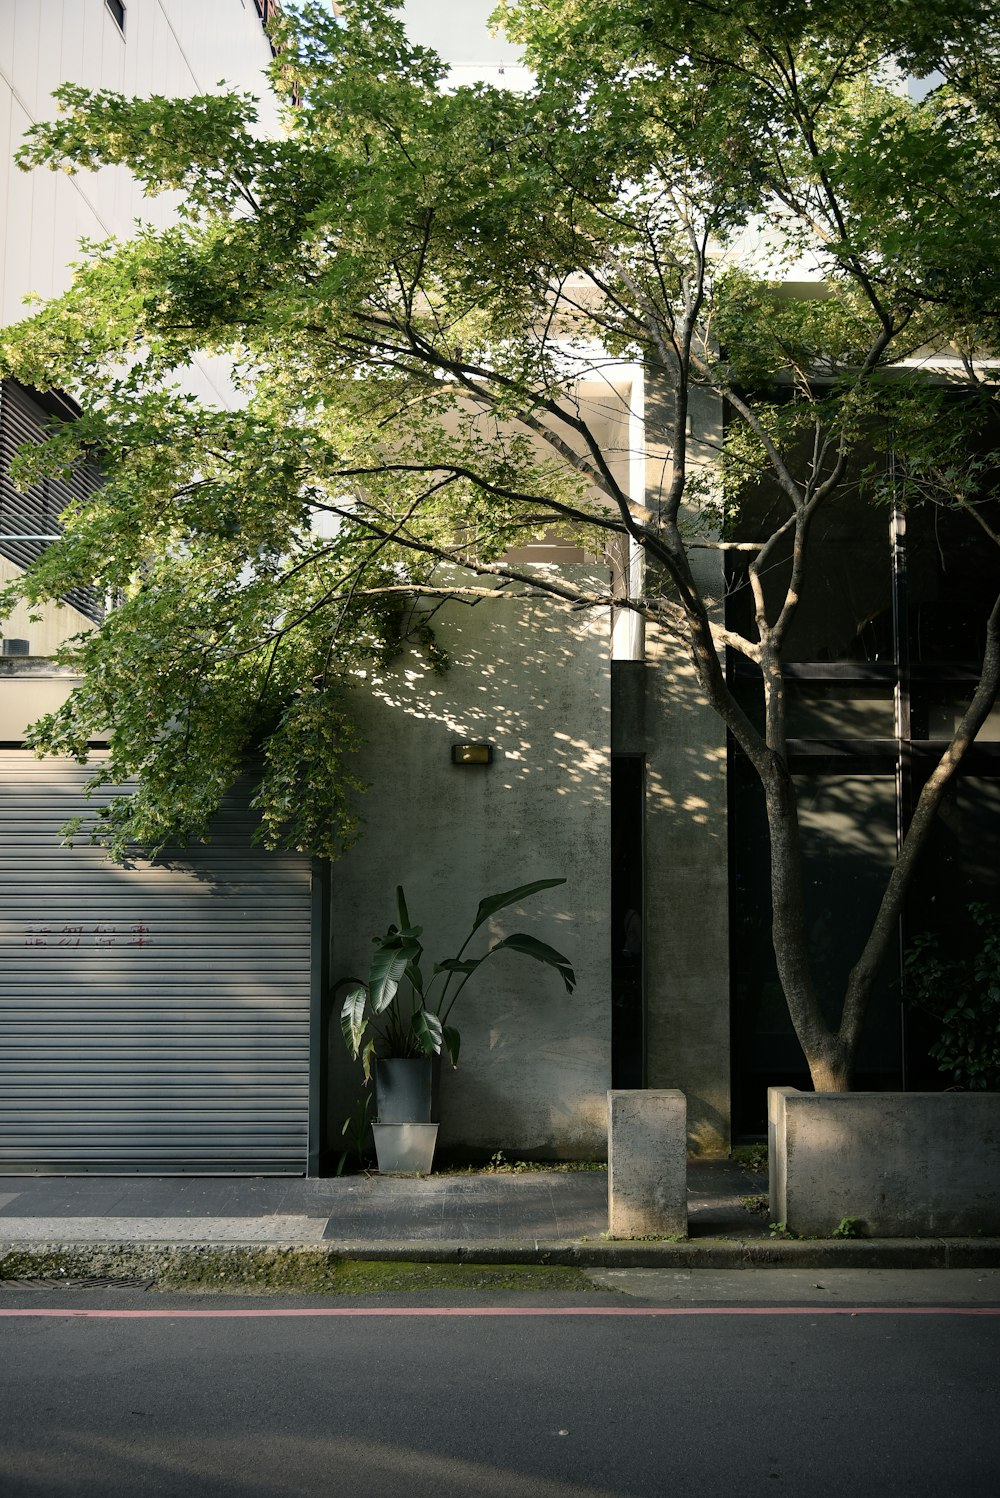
(535, 1216)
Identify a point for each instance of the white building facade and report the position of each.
(152, 1018)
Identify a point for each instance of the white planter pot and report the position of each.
(405, 1148)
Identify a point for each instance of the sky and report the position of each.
(457, 30)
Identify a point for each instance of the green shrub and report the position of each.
(750, 1156)
(964, 994)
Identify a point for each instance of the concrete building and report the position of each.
(177, 1016)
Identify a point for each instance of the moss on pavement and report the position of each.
(298, 1271)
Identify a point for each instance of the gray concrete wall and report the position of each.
(687, 897)
(533, 680)
(687, 855)
(904, 1164)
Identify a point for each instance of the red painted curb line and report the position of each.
(514, 1311)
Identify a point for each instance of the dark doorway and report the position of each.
(881, 663)
(628, 987)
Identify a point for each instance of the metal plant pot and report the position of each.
(405, 1091)
(405, 1100)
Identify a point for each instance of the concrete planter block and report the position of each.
(647, 1164)
(905, 1164)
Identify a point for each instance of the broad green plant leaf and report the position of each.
(493, 903)
(427, 1029)
(415, 976)
(452, 1042)
(352, 1018)
(404, 918)
(388, 966)
(542, 952)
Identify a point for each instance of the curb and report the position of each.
(276, 1263)
(705, 1253)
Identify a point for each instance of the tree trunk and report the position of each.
(830, 1062)
(831, 1066)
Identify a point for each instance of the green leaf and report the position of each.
(388, 966)
(493, 903)
(404, 919)
(427, 1029)
(452, 1042)
(458, 965)
(530, 946)
(416, 977)
(352, 1018)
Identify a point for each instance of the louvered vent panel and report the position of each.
(36, 512)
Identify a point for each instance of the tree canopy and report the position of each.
(410, 282)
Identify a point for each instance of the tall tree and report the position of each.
(410, 283)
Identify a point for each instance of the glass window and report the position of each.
(848, 710)
(846, 608)
(942, 710)
(30, 519)
(952, 581)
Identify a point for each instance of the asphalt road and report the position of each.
(644, 1393)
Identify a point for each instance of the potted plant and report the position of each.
(399, 1020)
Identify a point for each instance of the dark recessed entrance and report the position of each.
(628, 989)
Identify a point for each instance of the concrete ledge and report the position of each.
(270, 1231)
(285, 1266)
(647, 1163)
(902, 1164)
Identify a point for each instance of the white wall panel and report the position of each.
(7, 39)
(24, 54)
(170, 47)
(76, 21)
(16, 249)
(6, 169)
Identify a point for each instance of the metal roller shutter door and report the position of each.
(153, 1018)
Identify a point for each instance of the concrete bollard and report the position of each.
(647, 1164)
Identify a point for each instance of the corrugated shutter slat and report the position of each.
(153, 1018)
